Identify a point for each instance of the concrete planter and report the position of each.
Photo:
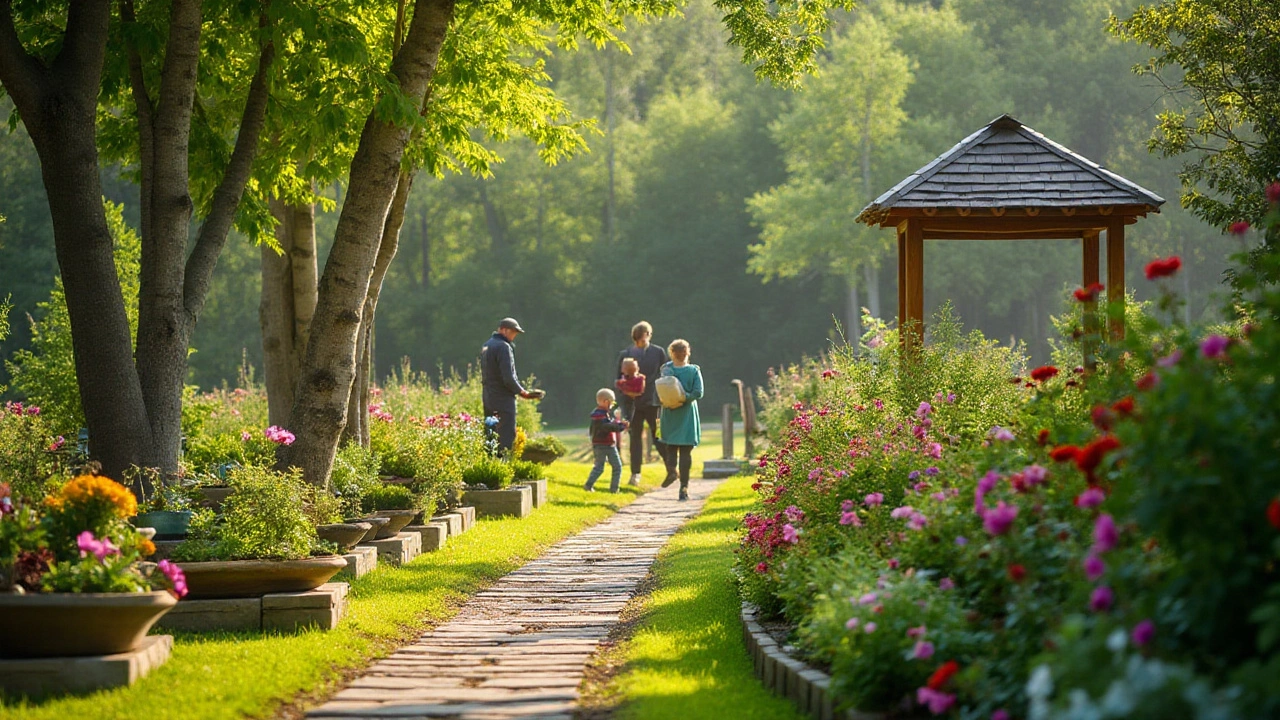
(344, 535)
(215, 495)
(516, 500)
(168, 524)
(254, 578)
(77, 624)
(539, 488)
(542, 457)
(396, 520)
(375, 524)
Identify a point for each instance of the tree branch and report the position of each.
(146, 119)
(23, 76)
(84, 48)
(230, 190)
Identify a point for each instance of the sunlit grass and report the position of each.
(232, 675)
(688, 660)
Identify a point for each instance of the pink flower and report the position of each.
(1101, 599)
(869, 628)
(1094, 568)
(851, 623)
(924, 410)
(790, 534)
(988, 481)
(1143, 633)
(1105, 534)
(793, 513)
(1238, 228)
(902, 512)
(245, 436)
(1000, 714)
(57, 443)
(1034, 474)
(1000, 434)
(937, 701)
(89, 545)
(762, 567)
(850, 517)
(33, 409)
(1090, 498)
(917, 521)
(999, 519)
(923, 650)
(868, 599)
(935, 451)
(176, 577)
(1171, 359)
(873, 499)
(279, 435)
(893, 563)
(1214, 346)
(917, 632)
(946, 583)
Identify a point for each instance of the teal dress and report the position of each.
(681, 426)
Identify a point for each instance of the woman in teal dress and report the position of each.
(680, 427)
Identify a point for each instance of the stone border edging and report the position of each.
(807, 687)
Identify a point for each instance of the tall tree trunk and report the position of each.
(610, 201)
(872, 274)
(323, 393)
(287, 303)
(853, 313)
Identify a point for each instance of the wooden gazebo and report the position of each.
(1008, 182)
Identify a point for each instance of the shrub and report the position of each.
(28, 449)
(492, 473)
(545, 445)
(355, 473)
(264, 518)
(389, 497)
(525, 470)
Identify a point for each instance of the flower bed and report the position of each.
(949, 534)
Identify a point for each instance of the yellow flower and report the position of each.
(90, 488)
(146, 547)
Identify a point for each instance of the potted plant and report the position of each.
(394, 502)
(263, 542)
(487, 484)
(71, 578)
(167, 508)
(544, 449)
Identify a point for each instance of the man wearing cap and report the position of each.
(500, 383)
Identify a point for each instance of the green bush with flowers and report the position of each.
(1062, 543)
(30, 453)
(434, 450)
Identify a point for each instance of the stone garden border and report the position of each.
(788, 677)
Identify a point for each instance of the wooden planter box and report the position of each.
(516, 500)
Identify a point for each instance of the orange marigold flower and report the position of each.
(146, 547)
(89, 488)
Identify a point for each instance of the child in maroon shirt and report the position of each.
(604, 441)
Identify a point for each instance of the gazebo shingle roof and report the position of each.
(1005, 165)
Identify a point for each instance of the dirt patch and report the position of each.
(597, 698)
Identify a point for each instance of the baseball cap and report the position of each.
(510, 324)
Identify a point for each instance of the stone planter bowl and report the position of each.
(396, 521)
(542, 457)
(255, 578)
(375, 524)
(76, 624)
(344, 535)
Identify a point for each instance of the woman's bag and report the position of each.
(670, 391)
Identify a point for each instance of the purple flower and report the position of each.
(999, 519)
(1034, 474)
(1000, 434)
(846, 505)
(815, 474)
(962, 540)
(1214, 346)
(850, 517)
(902, 512)
(946, 583)
(931, 471)
(923, 650)
(1143, 633)
(873, 499)
(913, 475)
(1171, 359)
(988, 481)
(790, 534)
(1105, 534)
(793, 513)
(869, 628)
(176, 577)
(868, 599)
(937, 701)
(1092, 497)
(924, 410)
(851, 623)
(917, 521)
(951, 397)
(917, 632)
(1094, 568)
(939, 496)
(1101, 599)
(935, 451)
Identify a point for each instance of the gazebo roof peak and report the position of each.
(1009, 165)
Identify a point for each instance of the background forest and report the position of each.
(717, 207)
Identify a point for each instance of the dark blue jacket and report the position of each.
(498, 375)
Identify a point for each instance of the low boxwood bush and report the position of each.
(525, 470)
(389, 497)
(490, 472)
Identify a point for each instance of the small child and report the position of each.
(604, 440)
(631, 384)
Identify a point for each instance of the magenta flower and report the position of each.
(57, 443)
(1101, 599)
(869, 628)
(790, 534)
(89, 545)
(1105, 534)
(893, 563)
(868, 599)
(1000, 714)
(33, 409)
(793, 513)
(923, 650)
(762, 567)
(850, 517)
(988, 481)
(946, 583)
(1090, 498)
(815, 474)
(873, 499)
(924, 410)
(851, 623)
(1034, 474)
(902, 512)
(937, 701)
(935, 451)
(1094, 568)
(1000, 434)
(176, 577)
(951, 397)
(999, 519)
(1171, 359)
(1214, 346)
(917, 632)
(1143, 633)
(917, 521)
(279, 435)
(245, 436)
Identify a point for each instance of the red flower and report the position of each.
(1017, 572)
(1042, 437)
(1273, 193)
(940, 676)
(1273, 511)
(1163, 268)
(1238, 228)
(1102, 417)
(1124, 405)
(1148, 381)
(1089, 294)
(1064, 453)
(1044, 372)
(1091, 455)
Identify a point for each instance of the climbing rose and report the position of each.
(1143, 633)
(938, 702)
(1273, 511)
(1094, 568)
(1088, 459)
(999, 519)
(1238, 228)
(1214, 346)
(923, 650)
(1163, 268)
(1101, 599)
(1105, 534)
(1088, 294)
(1090, 498)
(1044, 372)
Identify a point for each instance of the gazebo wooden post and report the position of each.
(911, 283)
(1090, 245)
(1115, 276)
(902, 283)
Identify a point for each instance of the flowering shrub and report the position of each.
(28, 448)
(433, 451)
(355, 473)
(267, 516)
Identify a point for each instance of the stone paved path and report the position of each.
(518, 649)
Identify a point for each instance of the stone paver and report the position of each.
(519, 648)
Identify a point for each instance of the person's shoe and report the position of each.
(635, 480)
(684, 494)
(671, 478)
(588, 488)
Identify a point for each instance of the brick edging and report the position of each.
(807, 687)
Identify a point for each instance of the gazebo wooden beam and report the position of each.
(1016, 225)
(896, 215)
(931, 234)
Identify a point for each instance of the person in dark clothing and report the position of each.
(604, 441)
(644, 408)
(501, 386)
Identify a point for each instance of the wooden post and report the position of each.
(726, 430)
(1090, 245)
(902, 281)
(1115, 276)
(911, 272)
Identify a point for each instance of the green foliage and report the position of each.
(549, 444)
(490, 472)
(355, 473)
(525, 470)
(388, 497)
(265, 517)
(27, 445)
(46, 373)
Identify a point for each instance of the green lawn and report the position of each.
(687, 660)
(234, 675)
